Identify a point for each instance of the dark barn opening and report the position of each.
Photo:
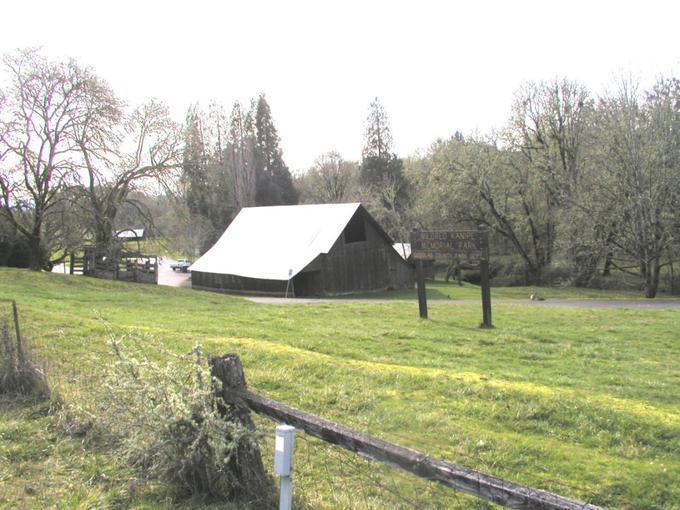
(355, 231)
(308, 284)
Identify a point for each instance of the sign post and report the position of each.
(426, 245)
(422, 296)
(486, 287)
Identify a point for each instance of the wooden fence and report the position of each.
(229, 370)
(115, 265)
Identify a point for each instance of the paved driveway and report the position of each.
(166, 276)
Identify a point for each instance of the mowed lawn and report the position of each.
(581, 402)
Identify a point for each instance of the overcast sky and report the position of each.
(437, 67)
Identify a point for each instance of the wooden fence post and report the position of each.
(20, 351)
(246, 464)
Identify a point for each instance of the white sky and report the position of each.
(437, 66)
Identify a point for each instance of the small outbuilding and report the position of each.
(303, 250)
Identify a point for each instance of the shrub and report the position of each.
(558, 274)
(509, 272)
(166, 420)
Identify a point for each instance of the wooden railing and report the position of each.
(229, 371)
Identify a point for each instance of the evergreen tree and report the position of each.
(274, 182)
(208, 176)
(386, 194)
(193, 165)
(379, 164)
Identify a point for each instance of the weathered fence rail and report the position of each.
(230, 371)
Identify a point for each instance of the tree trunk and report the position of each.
(585, 263)
(608, 261)
(36, 256)
(532, 274)
(653, 271)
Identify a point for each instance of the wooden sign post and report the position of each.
(420, 282)
(426, 245)
(484, 277)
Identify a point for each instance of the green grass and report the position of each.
(440, 290)
(582, 402)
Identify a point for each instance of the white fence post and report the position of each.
(283, 463)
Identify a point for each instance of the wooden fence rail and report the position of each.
(230, 371)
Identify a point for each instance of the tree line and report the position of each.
(575, 185)
(230, 163)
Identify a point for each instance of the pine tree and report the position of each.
(379, 163)
(381, 175)
(274, 182)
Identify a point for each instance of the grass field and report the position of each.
(440, 290)
(582, 402)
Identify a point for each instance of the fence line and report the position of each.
(229, 370)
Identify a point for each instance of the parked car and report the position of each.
(181, 265)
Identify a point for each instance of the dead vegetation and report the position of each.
(18, 372)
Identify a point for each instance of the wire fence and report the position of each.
(328, 477)
(325, 476)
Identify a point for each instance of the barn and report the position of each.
(302, 250)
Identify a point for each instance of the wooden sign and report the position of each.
(427, 245)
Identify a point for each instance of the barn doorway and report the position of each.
(308, 284)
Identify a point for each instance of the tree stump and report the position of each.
(246, 464)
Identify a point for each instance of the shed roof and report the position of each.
(130, 233)
(277, 242)
(403, 249)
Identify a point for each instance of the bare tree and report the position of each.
(474, 182)
(548, 126)
(330, 180)
(45, 101)
(549, 132)
(639, 165)
(241, 156)
(121, 155)
(384, 201)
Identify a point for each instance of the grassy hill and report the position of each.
(582, 402)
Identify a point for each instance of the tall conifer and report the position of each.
(274, 182)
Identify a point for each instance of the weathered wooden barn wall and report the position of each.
(356, 266)
(233, 283)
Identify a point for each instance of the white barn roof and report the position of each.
(277, 242)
